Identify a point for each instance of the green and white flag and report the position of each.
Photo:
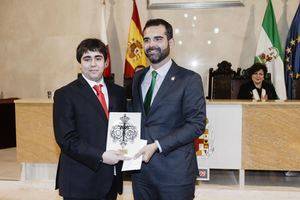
(269, 51)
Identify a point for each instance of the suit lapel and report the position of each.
(87, 92)
(169, 80)
(140, 79)
(111, 96)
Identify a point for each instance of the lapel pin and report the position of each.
(173, 78)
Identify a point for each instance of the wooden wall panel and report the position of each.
(271, 137)
(35, 136)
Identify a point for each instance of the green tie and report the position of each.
(148, 98)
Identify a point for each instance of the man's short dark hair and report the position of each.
(256, 67)
(90, 44)
(157, 22)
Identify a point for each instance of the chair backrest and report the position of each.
(221, 87)
(127, 83)
(296, 89)
(224, 83)
(235, 87)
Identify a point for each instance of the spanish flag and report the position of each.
(135, 55)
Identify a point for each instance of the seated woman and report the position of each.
(257, 88)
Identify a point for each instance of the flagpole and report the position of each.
(103, 36)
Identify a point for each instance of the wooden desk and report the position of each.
(270, 134)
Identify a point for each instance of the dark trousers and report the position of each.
(111, 195)
(144, 190)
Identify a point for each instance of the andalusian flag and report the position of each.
(135, 55)
(269, 51)
(103, 37)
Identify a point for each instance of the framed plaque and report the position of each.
(189, 4)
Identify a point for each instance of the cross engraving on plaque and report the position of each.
(124, 132)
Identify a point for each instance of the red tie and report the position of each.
(101, 97)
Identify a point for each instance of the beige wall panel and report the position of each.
(271, 137)
(38, 43)
(38, 38)
(35, 136)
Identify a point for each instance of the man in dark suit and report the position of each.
(172, 104)
(80, 115)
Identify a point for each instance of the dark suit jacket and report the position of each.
(176, 117)
(80, 127)
(245, 91)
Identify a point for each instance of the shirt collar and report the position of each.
(93, 83)
(163, 70)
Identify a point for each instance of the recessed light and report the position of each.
(216, 30)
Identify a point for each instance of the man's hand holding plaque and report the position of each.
(112, 157)
(124, 133)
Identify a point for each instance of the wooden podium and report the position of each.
(35, 135)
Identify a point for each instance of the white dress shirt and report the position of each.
(161, 74)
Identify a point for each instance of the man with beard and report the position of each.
(172, 104)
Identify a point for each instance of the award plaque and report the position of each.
(124, 132)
